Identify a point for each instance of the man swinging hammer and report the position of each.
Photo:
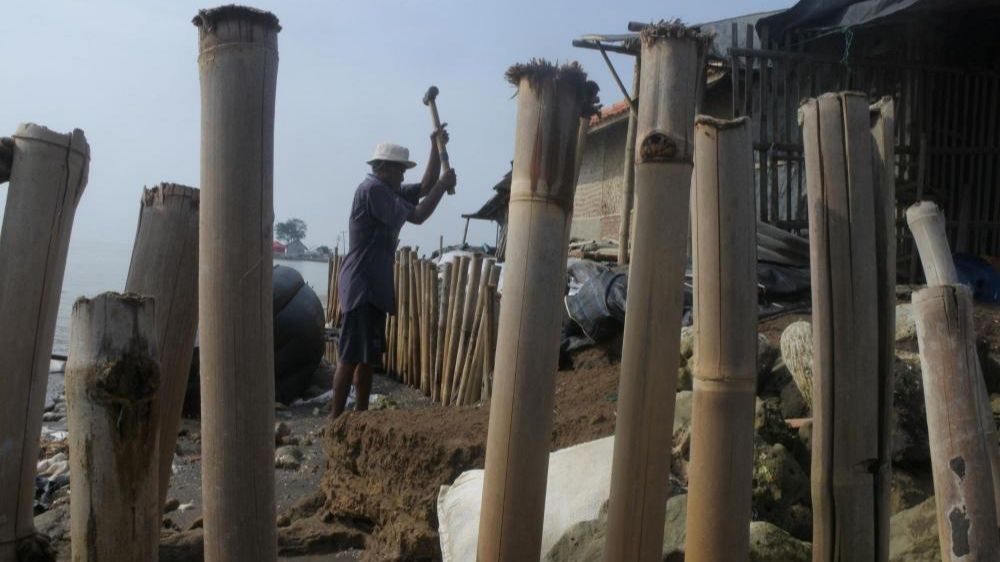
(382, 204)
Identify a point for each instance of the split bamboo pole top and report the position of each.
(49, 173)
(551, 102)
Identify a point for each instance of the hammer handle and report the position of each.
(442, 150)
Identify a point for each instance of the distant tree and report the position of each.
(323, 250)
(290, 230)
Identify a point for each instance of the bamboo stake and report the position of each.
(490, 323)
(472, 375)
(442, 328)
(882, 116)
(628, 174)
(672, 65)
(413, 362)
(431, 325)
(725, 323)
(477, 311)
(48, 176)
(404, 309)
(112, 387)
(550, 103)
(425, 335)
(465, 334)
(165, 267)
(963, 485)
(846, 407)
(927, 224)
(454, 327)
(238, 63)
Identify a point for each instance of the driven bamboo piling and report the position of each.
(725, 324)
(48, 177)
(238, 63)
(551, 102)
(849, 518)
(164, 266)
(926, 222)
(963, 483)
(672, 61)
(112, 382)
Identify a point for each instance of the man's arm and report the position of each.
(425, 208)
(6, 157)
(433, 171)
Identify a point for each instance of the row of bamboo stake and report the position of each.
(443, 337)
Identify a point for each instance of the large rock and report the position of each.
(906, 326)
(796, 351)
(769, 543)
(780, 489)
(913, 534)
(584, 542)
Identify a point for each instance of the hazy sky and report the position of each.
(351, 74)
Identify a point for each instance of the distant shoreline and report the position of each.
(301, 258)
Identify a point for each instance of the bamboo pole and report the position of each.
(413, 361)
(550, 103)
(628, 179)
(477, 310)
(882, 115)
(465, 333)
(442, 329)
(165, 267)
(927, 223)
(238, 63)
(454, 326)
(490, 322)
(404, 307)
(47, 178)
(846, 402)
(963, 483)
(725, 323)
(112, 396)
(672, 65)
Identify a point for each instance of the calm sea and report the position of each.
(95, 267)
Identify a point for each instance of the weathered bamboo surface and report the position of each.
(725, 323)
(164, 266)
(849, 521)
(112, 387)
(927, 223)
(238, 63)
(48, 177)
(672, 64)
(960, 461)
(550, 104)
(882, 120)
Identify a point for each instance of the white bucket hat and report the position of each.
(389, 152)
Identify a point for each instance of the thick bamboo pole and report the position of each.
(550, 104)
(672, 64)
(725, 322)
(238, 62)
(165, 267)
(48, 176)
(112, 387)
(846, 401)
(882, 115)
(628, 175)
(926, 222)
(963, 484)
(442, 329)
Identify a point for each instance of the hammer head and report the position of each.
(431, 94)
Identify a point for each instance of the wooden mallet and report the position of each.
(430, 101)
